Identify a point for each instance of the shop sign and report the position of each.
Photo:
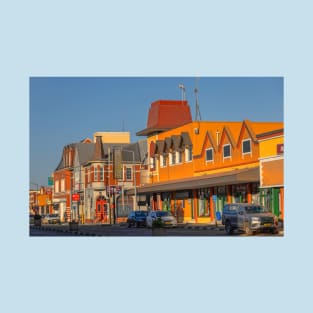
(113, 189)
(75, 197)
(240, 188)
(182, 195)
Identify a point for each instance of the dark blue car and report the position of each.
(137, 218)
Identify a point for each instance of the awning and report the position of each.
(220, 179)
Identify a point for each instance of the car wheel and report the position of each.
(248, 230)
(228, 228)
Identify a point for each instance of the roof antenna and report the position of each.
(182, 87)
(198, 114)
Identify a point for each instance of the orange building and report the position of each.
(197, 166)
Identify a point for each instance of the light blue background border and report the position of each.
(155, 38)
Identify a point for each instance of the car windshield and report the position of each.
(255, 209)
(140, 214)
(163, 213)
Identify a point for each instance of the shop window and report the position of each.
(246, 146)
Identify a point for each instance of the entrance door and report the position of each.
(101, 210)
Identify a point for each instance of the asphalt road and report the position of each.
(123, 230)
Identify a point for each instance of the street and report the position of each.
(123, 230)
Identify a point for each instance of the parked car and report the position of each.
(137, 218)
(165, 218)
(250, 218)
(51, 219)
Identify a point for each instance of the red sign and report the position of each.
(75, 197)
(280, 148)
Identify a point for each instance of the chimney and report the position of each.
(98, 152)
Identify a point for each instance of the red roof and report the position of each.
(167, 114)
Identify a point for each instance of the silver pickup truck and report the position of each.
(250, 218)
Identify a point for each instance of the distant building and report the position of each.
(87, 183)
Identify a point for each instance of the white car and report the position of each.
(165, 217)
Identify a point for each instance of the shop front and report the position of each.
(201, 199)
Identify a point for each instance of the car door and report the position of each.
(241, 217)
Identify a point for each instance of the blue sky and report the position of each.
(64, 110)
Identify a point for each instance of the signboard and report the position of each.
(113, 189)
(75, 197)
(117, 164)
(50, 181)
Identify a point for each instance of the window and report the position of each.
(188, 154)
(62, 185)
(56, 186)
(209, 154)
(226, 151)
(96, 174)
(246, 146)
(152, 163)
(163, 160)
(101, 173)
(173, 158)
(179, 157)
(128, 173)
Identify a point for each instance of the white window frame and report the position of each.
(179, 157)
(246, 140)
(173, 158)
(152, 163)
(206, 160)
(162, 160)
(227, 157)
(188, 154)
(128, 168)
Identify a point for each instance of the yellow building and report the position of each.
(272, 170)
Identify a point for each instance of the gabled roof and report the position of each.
(226, 132)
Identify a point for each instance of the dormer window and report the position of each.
(209, 155)
(226, 151)
(162, 160)
(246, 146)
(188, 154)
